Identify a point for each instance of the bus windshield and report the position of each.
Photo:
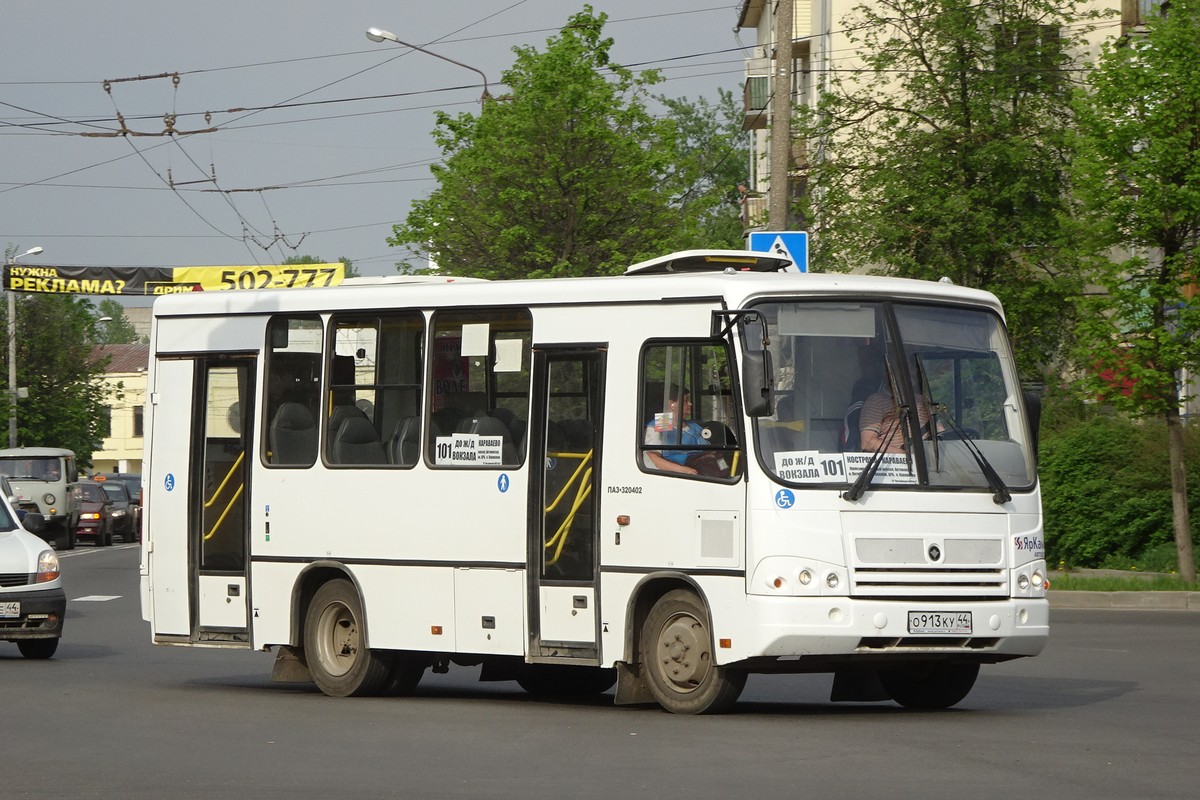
(858, 383)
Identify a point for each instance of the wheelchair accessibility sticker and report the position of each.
(784, 498)
(169, 481)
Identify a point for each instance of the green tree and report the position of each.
(711, 157)
(562, 177)
(65, 403)
(118, 329)
(1138, 172)
(292, 261)
(944, 155)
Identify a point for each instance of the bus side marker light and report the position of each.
(725, 644)
(622, 519)
(777, 583)
(436, 630)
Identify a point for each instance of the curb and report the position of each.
(1144, 601)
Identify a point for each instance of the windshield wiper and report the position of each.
(1000, 493)
(865, 477)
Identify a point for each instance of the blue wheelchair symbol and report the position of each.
(784, 498)
(502, 483)
(169, 481)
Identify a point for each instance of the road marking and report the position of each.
(96, 598)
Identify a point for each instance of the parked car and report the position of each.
(134, 481)
(124, 510)
(95, 514)
(32, 601)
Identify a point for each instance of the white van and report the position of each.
(32, 601)
(43, 479)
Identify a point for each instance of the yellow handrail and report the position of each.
(564, 530)
(217, 492)
(584, 474)
(584, 458)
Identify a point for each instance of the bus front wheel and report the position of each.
(929, 686)
(677, 658)
(335, 646)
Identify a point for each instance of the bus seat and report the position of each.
(404, 446)
(292, 435)
(863, 388)
(446, 420)
(357, 443)
(340, 414)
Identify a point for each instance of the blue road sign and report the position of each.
(789, 244)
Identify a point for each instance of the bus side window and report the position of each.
(478, 395)
(686, 414)
(292, 393)
(375, 383)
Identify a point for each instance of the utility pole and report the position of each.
(779, 193)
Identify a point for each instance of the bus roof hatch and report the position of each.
(712, 261)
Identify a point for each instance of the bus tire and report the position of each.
(335, 646)
(929, 686)
(677, 658)
(565, 680)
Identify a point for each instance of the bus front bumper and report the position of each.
(809, 631)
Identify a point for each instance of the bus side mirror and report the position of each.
(757, 396)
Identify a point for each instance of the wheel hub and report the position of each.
(684, 659)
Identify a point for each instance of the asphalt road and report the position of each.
(1110, 710)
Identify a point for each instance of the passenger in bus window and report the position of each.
(672, 427)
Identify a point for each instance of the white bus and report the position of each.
(655, 480)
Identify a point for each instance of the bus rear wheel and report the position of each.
(335, 645)
(677, 658)
(929, 686)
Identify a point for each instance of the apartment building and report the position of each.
(821, 45)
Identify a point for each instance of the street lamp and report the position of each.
(12, 349)
(379, 35)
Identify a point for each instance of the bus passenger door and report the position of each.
(222, 446)
(565, 426)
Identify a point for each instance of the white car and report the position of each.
(32, 601)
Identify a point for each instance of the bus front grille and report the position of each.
(928, 582)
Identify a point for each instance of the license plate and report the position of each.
(939, 622)
(10, 610)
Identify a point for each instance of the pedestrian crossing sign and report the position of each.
(789, 244)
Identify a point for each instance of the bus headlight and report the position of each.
(793, 576)
(49, 499)
(1023, 582)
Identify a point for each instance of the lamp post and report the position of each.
(12, 350)
(379, 35)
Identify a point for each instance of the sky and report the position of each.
(321, 139)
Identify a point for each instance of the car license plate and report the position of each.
(10, 610)
(955, 622)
